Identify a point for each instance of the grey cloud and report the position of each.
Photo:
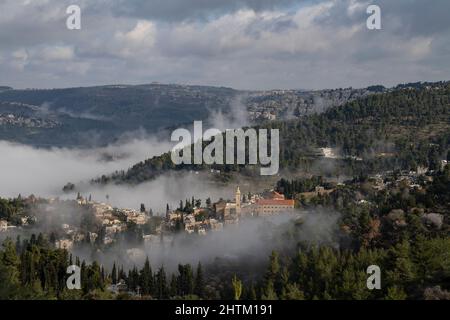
(177, 10)
(419, 17)
(277, 25)
(268, 44)
(401, 17)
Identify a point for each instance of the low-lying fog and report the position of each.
(248, 244)
(27, 170)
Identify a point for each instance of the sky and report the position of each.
(244, 44)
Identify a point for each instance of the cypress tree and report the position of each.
(146, 281)
(161, 284)
(114, 274)
(173, 286)
(199, 288)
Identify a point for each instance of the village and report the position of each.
(110, 225)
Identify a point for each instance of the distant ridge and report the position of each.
(399, 129)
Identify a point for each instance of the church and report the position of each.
(265, 204)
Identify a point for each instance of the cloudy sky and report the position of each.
(245, 44)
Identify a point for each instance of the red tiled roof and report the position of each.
(277, 195)
(275, 202)
(273, 195)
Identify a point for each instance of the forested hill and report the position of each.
(395, 122)
(72, 117)
(400, 129)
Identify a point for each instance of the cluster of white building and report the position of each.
(203, 220)
(112, 219)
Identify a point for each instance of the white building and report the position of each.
(3, 225)
(64, 244)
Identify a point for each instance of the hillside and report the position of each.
(400, 129)
(94, 116)
(104, 112)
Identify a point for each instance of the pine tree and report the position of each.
(199, 289)
(161, 284)
(173, 286)
(237, 287)
(146, 278)
(274, 267)
(185, 280)
(10, 260)
(94, 277)
(269, 292)
(402, 270)
(395, 293)
(252, 293)
(292, 292)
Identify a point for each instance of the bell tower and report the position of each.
(238, 201)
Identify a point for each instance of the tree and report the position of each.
(199, 288)
(161, 284)
(114, 274)
(292, 292)
(274, 267)
(9, 286)
(146, 278)
(252, 293)
(395, 293)
(94, 279)
(9, 273)
(10, 260)
(185, 280)
(237, 287)
(402, 270)
(269, 292)
(173, 291)
(18, 244)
